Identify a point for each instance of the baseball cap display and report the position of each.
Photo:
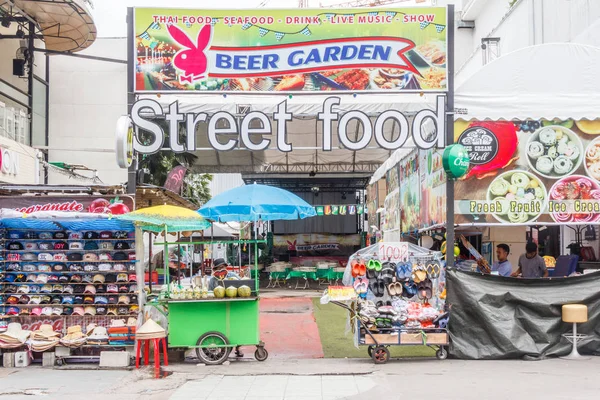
(30, 235)
(124, 300)
(14, 235)
(68, 289)
(23, 289)
(30, 278)
(104, 257)
(90, 267)
(14, 246)
(121, 245)
(64, 278)
(88, 299)
(112, 289)
(98, 278)
(67, 300)
(41, 278)
(106, 246)
(9, 278)
(12, 311)
(75, 267)
(122, 278)
(120, 256)
(31, 246)
(14, 257)
(60, 235)
(36, 311)
(90, 310)
(56, 299)
(44, 267)
(91, 246)
(29, 268)
(35, 300)
(131, 256)
(90, 235)
(45, 235)
(120, 267)
(132, 277)
(104, 267)
(12, 300)
(44, 257)
(133, 288)
(45, 246)
(53, 278)
(58, 288)
(90, 257)
(60, 257)
(120, 235)
(123, 310)
(106, 235)
(76, 279)
(75, 236)
(101, 300)
(112, 310)
(91, 289)
(78, 311)
(67, 310)
(59, 267)
(46, 289)
(61, 246)
(113, 299)
(87, 278)
(111, 278)
(20, 278)
(13, 267)
(75, 256)
(57, 310)
(101, 310)
(24, 299)
(123, 289)
(47, 311)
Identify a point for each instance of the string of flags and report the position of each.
(438, 27)
(344, 209)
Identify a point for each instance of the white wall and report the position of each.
(224, 182)
(86, 99)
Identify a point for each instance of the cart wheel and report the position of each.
(381, 355)
(441, 353)
(261, 354)
(210, 355)
(370, 350)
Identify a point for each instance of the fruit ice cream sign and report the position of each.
(481, 144)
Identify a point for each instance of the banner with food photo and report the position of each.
(372, 205)
(531, 171)
(433, 188)
(263, 50)
(410, 193)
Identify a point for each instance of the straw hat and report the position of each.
(150, 330)
(14, 336)
(45, 332)
(117, 323)
(131, 321)
(74, 337)
(98, 334)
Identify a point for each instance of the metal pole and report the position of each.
(179, 258)
(131, 56)
(450, 137)
(149, 259)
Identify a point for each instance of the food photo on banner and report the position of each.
(433, 188)
(410, 195)
(531, 171)
(271, 51)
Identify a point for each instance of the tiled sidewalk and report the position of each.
(274, 387)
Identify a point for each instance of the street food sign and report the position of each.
(391, 49)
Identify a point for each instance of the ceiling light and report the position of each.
(20, 34)
(312, 173)
(5, 22)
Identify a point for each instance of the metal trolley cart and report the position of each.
(378, 343)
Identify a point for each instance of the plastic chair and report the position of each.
(157, 342)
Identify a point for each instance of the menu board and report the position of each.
(529, 171)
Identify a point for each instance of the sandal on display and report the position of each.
(395, 288)
(425, 289)
(410, 289)
(387, 273)
(433, 270)
(375, 264)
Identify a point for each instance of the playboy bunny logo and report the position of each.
(291, 246)
(191, 59)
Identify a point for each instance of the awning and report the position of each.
(67, 25)
(548, 81)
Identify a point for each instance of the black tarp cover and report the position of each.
(493, 317)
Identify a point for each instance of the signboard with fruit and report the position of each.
(115, 205)
(529, 171)
(261, 50)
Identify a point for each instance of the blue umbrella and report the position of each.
(254, 202)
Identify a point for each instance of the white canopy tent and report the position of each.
(558, 80)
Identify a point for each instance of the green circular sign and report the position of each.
(456, 161)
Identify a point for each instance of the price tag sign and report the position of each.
(396, 252)
(341, 293)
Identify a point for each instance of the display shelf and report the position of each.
(70, 315)
(67, 251)
(64, 273)
(70, 262)
(67, 240)
(67, 305)
(65, 284)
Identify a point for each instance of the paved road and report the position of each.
(323, 379)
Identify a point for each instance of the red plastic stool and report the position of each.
(146, 343)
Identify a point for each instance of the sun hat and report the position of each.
(75, 246)
(90, 246)
(74, 337)
(98, 333)
(45, 331)
(150, 330)
(14, 336)
(98, 278)
(78, 311)
(106, 246)
(117, 323)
